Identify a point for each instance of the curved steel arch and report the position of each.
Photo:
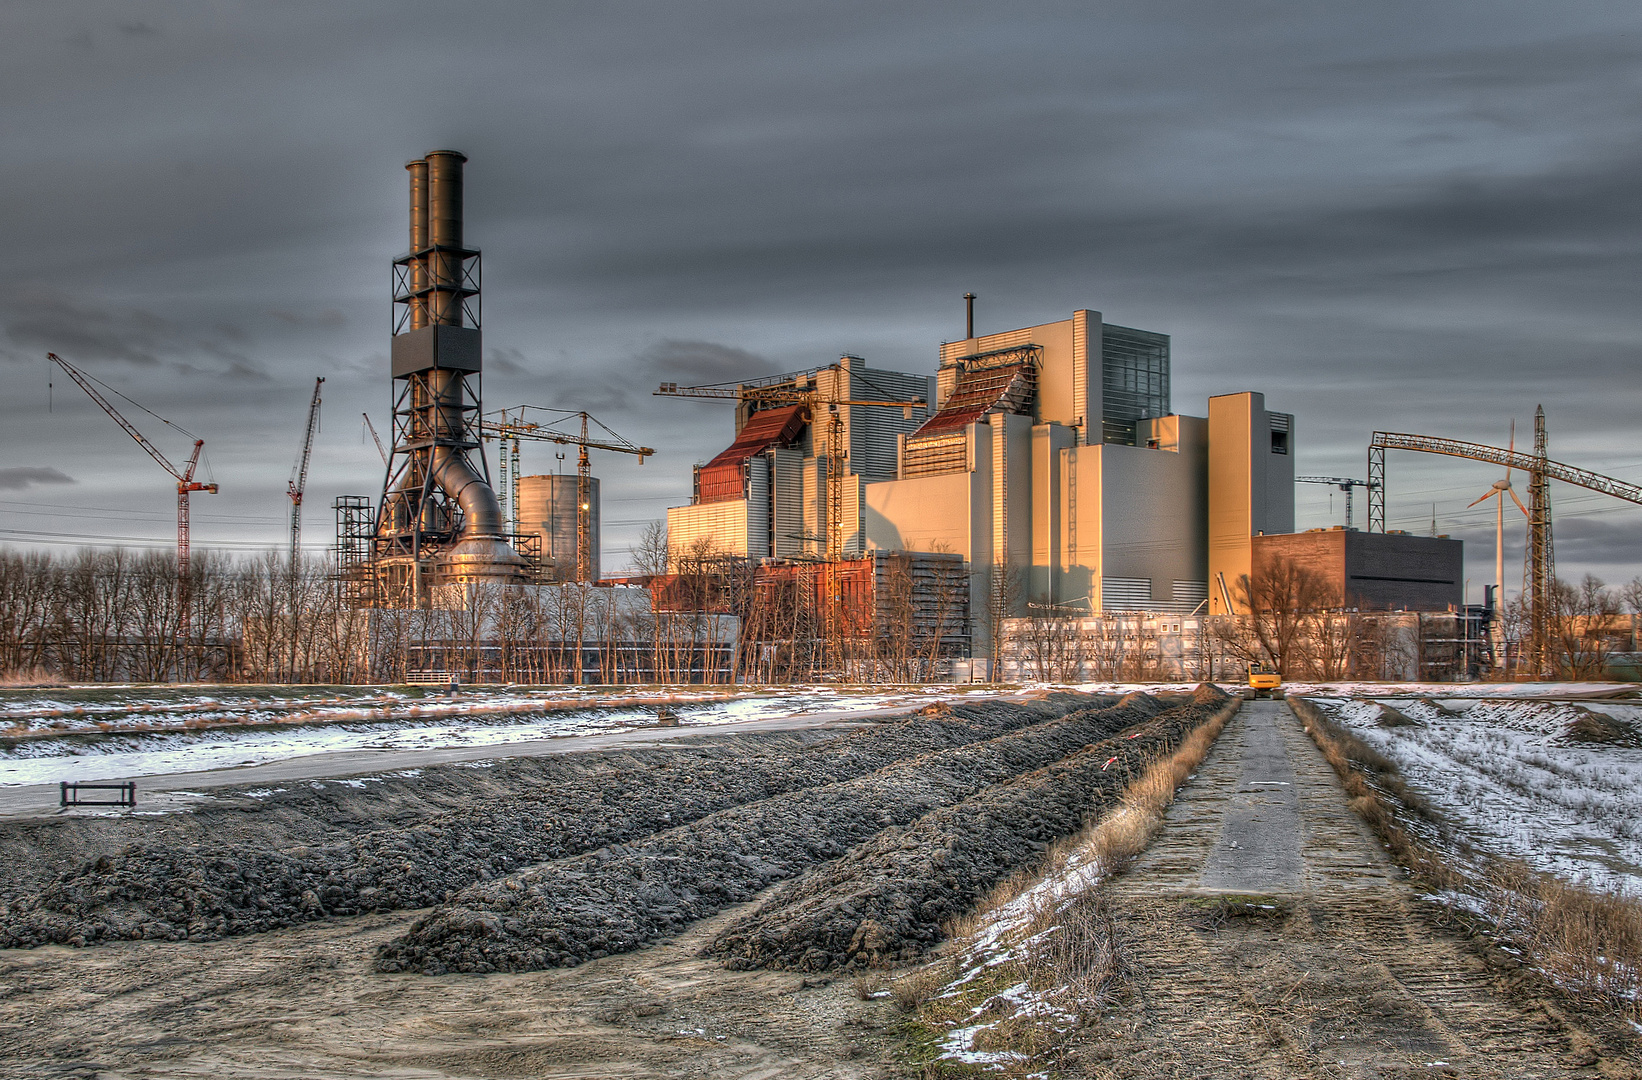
(1528, 463)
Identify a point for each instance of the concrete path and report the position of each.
(1264, 814)
(1266, 935)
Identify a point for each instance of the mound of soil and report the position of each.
(1595, 727)
(887, 899)
(620, 897)
(1394, 718)
(174, 891)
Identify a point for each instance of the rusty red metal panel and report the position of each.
(724, 478)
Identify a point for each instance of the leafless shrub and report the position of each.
(1072, 953)
(34, 676)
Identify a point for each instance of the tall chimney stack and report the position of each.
(439, 521)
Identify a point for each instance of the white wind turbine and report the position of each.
(1501, 489)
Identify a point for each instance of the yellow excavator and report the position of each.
(1265, 682)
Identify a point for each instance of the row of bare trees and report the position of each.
(119, 615)
(1295, 625)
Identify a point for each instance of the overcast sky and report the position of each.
(1404, 216)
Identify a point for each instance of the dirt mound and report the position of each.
(887, 899)
(172, 892)
(1394, 718)
(620, 897)
(1596, 727)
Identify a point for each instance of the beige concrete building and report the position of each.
(1050, 459)
(766, 495)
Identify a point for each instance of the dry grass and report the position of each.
(1109, 844)
(1060, 950)
(1588, 941)
(20, 677)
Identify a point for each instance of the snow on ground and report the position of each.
(1509, 776)
(988, 983)
(179, 740)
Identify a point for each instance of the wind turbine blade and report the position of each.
(1491, 493)
(1518, 501)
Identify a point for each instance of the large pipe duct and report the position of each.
(436, 349)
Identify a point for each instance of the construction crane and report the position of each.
(184, 476)
(800, 388)
(299, 472)
(1540, 583)
(370, 427)
(1345, 484)
(511, 425)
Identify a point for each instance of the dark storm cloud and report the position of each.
(702, 362)
(1406, 216)
(39, 322)
(20, 478)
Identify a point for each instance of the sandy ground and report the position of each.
(304, 1003)
(1268, 936)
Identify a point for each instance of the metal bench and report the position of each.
(70, 794)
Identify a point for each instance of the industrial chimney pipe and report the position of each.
(445, 235)
(418, 170)
(437, 358)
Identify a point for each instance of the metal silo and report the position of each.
(547, 508)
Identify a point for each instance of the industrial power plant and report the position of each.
(1034, 505)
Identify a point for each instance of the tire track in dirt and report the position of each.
(1333, 970)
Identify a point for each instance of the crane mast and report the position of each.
(370, 427)
(184, 477)
(299, 473)
(512, 425)
(1539, 584)
(1344, 483)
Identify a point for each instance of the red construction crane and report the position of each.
(299, 472)
(185, 477)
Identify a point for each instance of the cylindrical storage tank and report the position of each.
(547, 508)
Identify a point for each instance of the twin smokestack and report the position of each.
(439, 515)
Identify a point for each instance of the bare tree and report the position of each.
(1281, 597)
(1003, 596)
(1581, 628)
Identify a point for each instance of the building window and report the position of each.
(1134, 380)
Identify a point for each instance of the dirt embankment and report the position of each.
(887, 900)
(469, 827)
(618, 898)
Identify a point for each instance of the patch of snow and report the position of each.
(85, 751)
(1504, 773)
